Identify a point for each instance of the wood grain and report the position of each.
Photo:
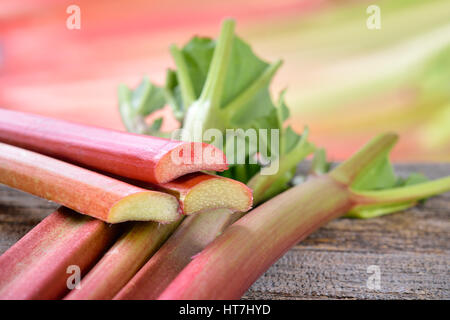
(412, 250)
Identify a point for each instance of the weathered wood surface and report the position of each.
(411, 249)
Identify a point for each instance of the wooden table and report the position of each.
(411, 250)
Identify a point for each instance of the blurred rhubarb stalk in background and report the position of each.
(346, 82)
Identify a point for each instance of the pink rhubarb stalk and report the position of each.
(232, 262)
(83, 190)
(140, 157)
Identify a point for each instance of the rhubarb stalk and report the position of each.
(82, 190)
(232, 262)
(36, 267)
(213, 197)
(191, 237)
(122, 261)
(140, 157)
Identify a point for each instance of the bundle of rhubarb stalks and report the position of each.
(143, 216)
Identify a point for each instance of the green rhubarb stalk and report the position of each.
(187, 90)
(402, 194)
(215, 82)
(261, 184)
(203, 113)
(379, 191)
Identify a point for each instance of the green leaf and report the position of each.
(156, 125)
(198, 54)
(291, 139)
(173, 95)
(380, 176)
(368, 212)
(136, 105)
(147, 98)
(319, 164)
(413, 178)
(362, 162)
(125, 108)
(284, 110)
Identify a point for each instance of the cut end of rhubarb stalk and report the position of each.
(218, 193)
(200, 192)
(190, 157)
(145, 206)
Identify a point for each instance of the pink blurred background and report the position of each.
(333, 63)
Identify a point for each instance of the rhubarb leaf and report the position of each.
(319, 164)
(380, 177)
(156, 125)
(135, 105)
(173, 95)
(368, 212)
(147, 98)
(198, 55)
(221, 84)
(291, 139)
(283, 108)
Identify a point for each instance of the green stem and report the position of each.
(261, 183)
(364, 159)
(243, 98)
(215, 81)
(409, 193)
(280, 123)
(187, 89)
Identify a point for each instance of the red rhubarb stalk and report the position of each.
(36, 267)
(192, 236)
(140, 157)
(82, 190)
(232, 262)
(122, 261)
(198, 193)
